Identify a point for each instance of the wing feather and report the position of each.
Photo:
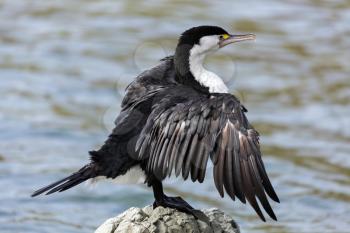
(228, 178)
(259, 189)
(237, 177)
(159, 162)
(182, 136)
(180, 160)
(190, 157)
(219, 166)
(249, 188)
(207, 144)
(172, 150)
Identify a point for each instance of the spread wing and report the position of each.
(181, 136)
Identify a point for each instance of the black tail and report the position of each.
(85, 173)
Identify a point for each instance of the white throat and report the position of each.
(203, 76)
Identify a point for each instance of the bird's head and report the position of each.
(197, 42)
(208, 39)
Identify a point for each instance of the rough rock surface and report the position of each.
(166, 220)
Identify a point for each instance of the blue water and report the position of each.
(63, 69)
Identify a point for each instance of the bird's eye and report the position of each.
(224, 36)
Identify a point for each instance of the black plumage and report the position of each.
(171, 123)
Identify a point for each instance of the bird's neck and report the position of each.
(190, 69)
(204, 76)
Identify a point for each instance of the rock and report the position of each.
(166, 220)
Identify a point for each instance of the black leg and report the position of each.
(174, 202)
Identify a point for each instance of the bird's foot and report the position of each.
(174, 203)
(181, 205)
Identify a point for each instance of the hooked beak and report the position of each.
(236, 38)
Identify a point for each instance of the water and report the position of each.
(63, 68)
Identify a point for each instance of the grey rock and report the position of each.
(166, 220)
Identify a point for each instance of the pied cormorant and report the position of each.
(174, 117)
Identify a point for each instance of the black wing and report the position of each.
(181, 135)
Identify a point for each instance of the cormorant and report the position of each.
(174, 117)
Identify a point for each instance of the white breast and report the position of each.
(207, 45)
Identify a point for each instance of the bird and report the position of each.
(176, 117)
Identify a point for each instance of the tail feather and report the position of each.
(74, 179)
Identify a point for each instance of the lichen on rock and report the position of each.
(166, 220)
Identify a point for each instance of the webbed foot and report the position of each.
(181, 205)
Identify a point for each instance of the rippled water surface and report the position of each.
(63, 68)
